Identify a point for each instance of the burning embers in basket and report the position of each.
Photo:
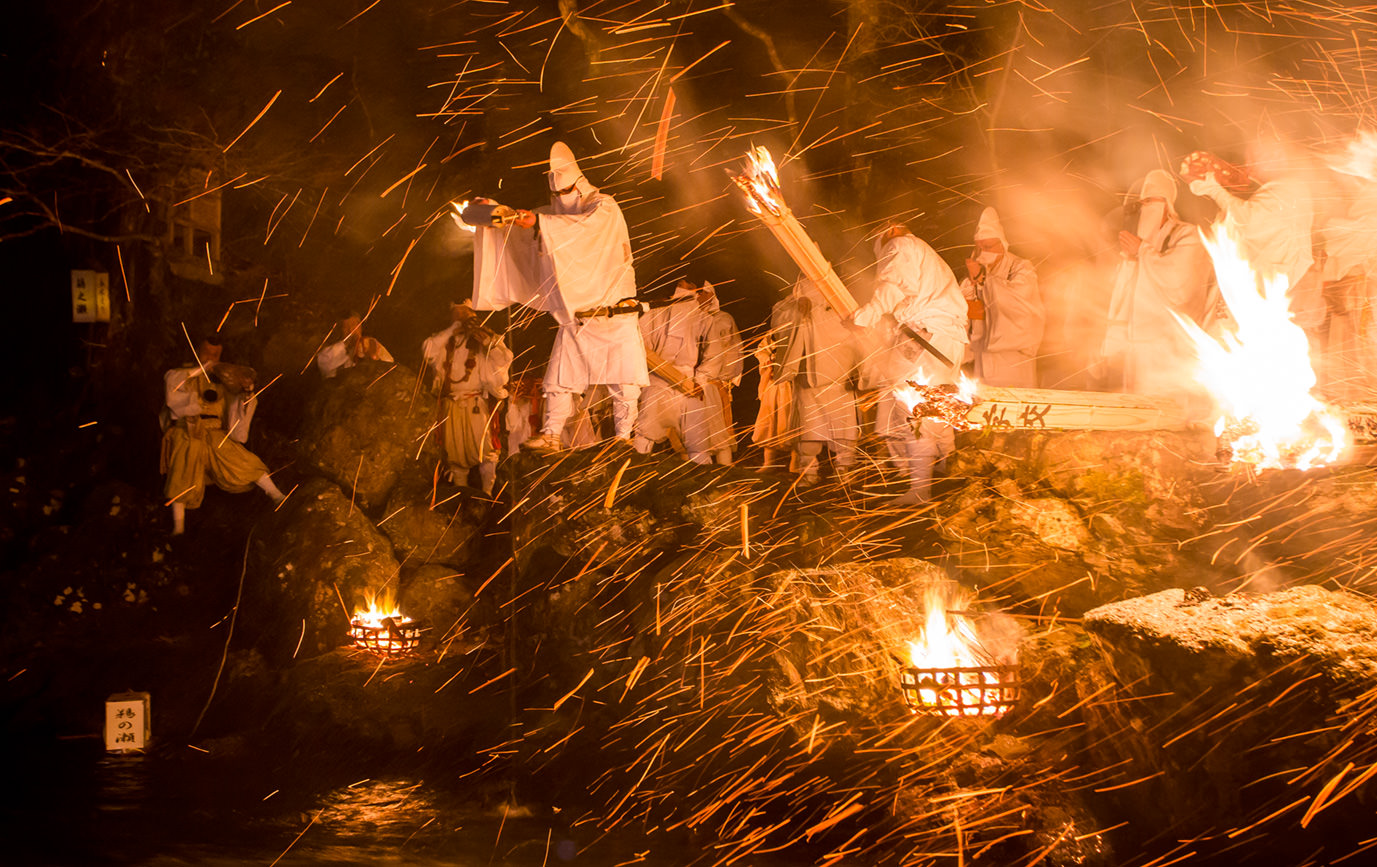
(384, 630)
(952, 671)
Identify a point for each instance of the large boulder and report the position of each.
(366, 427)
(1290, 527)
(445, 533)
(309, 568)
(1067, 520)
(1237, 721)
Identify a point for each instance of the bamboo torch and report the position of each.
(760, 182)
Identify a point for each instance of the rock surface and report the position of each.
(365, 428)
(1078, 518)
(312, 565)
(1241, 718)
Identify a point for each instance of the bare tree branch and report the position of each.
(764, 37)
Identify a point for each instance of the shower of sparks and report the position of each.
(721, 694)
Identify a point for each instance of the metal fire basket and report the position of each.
(393, 637)
(985, 690)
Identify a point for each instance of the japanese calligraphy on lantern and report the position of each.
(90, 296)
(126, 721)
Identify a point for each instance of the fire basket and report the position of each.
(388, 636)
(983, 690)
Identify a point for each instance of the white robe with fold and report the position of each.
(574, 259)
(675, 333)
(1172, 274)
(1006, 341)
(719, 370)
(915, 287)
(1348, 368)
(818, 354)
(1274, 225)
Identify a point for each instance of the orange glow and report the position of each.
(380, 608)
(457, 216)
(1260, 375)
(760, 182)
(955, 676)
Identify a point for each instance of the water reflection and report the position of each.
(82, 806)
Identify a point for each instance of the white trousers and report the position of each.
(559, 405)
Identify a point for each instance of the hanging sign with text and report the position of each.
(90, 296)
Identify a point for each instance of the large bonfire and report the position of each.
(1260, 374)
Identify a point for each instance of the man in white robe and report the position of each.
(675, 334)
(1164, 270)
(572, 256)
(719, 370)
(1274, 225)
(1348, 368)
(352, 347)
(471, 366)
(817, 353)
(914, 290)
(1007, 314)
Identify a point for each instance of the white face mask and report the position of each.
(568, 201)
(987, 257)
(1150, 218)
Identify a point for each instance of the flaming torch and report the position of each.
(760, 182)
(382, 629)
(950, 403)
(951, 673)
(1261, 375)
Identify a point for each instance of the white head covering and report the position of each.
(990, 227)
(713, 305)
(564, 169)
(1160, 185)
(890, 231)
(565, 173)
(806, 288)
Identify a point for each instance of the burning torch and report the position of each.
(760, 182)
(483, 212)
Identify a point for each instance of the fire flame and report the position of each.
(760, 182)
(950, 403)
(457, 216)
(948, 641)
(1261, 375)
(380, 607)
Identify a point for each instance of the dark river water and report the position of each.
(70, 803)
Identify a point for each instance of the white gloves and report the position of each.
(1208, 187)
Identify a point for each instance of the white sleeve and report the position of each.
(332, 358)
(180, 400)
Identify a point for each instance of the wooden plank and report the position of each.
(1055, 409)
(669, 373)
(1362, 421)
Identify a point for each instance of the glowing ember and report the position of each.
(951, 673)
(1261, 376)
(949, 403)
(760, 183)
(382, 628)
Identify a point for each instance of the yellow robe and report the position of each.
(196, 449)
